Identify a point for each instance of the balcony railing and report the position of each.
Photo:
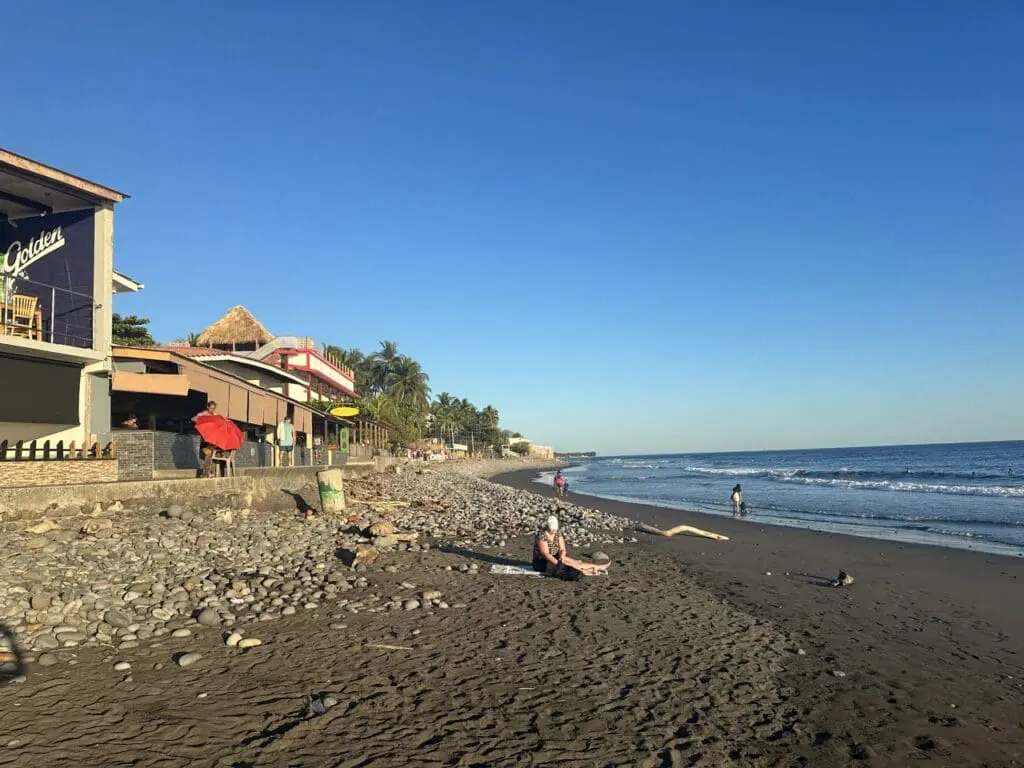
(41, 312)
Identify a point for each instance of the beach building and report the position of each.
(241, 333)
(314, 378)
(164, 388)
(57, 281)
(534, 451)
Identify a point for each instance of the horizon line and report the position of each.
(793, 450)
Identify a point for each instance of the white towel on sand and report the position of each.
(514, 570)
(523, 570)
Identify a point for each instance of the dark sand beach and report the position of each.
(687, 655)
(931, 639)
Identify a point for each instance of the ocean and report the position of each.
(966, 495)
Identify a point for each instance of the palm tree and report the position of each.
(442, 414)
(382, 365)
(409, 385)
(490, 416)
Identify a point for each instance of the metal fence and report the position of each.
(42, 312)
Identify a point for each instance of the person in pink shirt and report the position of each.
(559, 483)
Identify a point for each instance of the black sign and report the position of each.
(52, 258)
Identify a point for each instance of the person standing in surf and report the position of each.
(559, 483)
(737, 500)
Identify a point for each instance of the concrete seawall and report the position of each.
(249, 487)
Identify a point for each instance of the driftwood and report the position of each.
(381, 504)
(681, 529)
(387, 647)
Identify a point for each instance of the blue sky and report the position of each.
(631, 227)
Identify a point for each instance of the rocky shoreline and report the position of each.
(121, 577)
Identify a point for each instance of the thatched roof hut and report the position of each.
(238, 330)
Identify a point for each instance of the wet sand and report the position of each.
(688, 654)
(931, 639)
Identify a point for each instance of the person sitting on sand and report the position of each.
(551, 556)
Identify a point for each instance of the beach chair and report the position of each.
(22, 316)
(224, 461)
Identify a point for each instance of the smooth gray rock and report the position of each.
(40, 601)
(411, 605)
(45, 643)
(208, 617)
(188, 659)
(46, 660)
(118, 619)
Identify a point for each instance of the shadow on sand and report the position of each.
(12, 663)
(818, 581)
(483, 557)
(300, 501)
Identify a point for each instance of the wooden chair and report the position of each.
(225, 463)
(23, 316)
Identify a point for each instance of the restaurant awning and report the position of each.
(236, 398)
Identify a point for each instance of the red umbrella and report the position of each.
(219, 432)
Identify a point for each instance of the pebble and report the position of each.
(46, 643)
(288, 610)
(118, 619)
(232, 639)
(431, 595)
(178, 634)
(122, 666)
(838, 673)
(411, 605)
(46, 660)
(249, 642)
(188, 659)
(208, 617)
(161, 614)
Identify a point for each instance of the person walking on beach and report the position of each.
(559, 483)
(286, 441)
(737, 500)
(551, 556)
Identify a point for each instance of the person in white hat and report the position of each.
(551, 555)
